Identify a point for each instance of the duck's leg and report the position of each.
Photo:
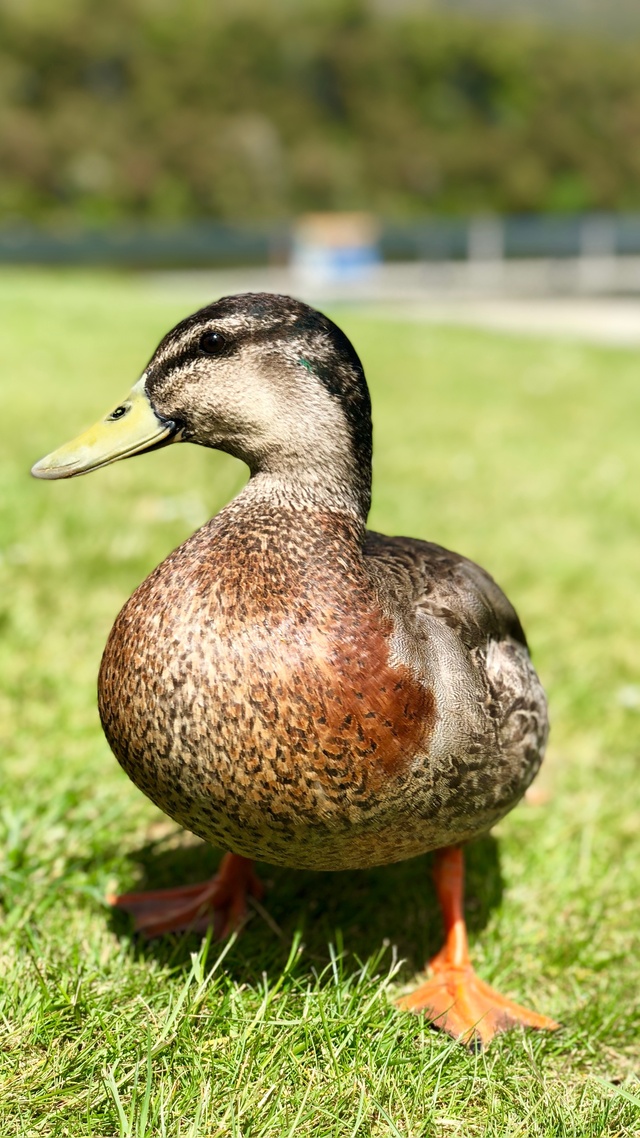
(221, 902)
(455, 998)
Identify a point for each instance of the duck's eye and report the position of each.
(118, 413)
(212, 343)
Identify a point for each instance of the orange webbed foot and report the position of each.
(454, 998)
(457, 1001)
(221, 902)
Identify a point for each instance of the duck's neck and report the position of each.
(315, 491)
(315, 466)
(314, 450)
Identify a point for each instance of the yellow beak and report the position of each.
(132, 426)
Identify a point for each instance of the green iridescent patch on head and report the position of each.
(305, 363)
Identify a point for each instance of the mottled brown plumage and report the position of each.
(286, 684)
(274, 687)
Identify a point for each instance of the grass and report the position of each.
(524, 455)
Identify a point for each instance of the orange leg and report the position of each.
(221, 902)
(455, 999)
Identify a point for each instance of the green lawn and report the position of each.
(523, 454)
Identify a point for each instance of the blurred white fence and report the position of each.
(543, 255)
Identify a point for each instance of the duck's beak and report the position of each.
(132, 426)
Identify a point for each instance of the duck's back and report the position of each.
(290, 696)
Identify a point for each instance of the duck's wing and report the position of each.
(434, 581)
(463, 638)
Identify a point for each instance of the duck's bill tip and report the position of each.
(44, 468)
(129, 429)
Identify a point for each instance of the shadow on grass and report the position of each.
(362, 909)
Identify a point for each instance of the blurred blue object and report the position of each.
(335, 247)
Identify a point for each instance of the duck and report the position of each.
(290, 686)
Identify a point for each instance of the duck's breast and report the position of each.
(249, 688)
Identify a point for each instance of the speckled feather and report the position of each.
(287, 685)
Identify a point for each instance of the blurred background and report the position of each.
(382, 150)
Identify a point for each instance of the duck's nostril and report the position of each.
(118, 413)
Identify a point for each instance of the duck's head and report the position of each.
(265, 378)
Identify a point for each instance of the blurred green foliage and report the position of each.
(162, 110)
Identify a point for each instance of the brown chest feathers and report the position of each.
(248, 687)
